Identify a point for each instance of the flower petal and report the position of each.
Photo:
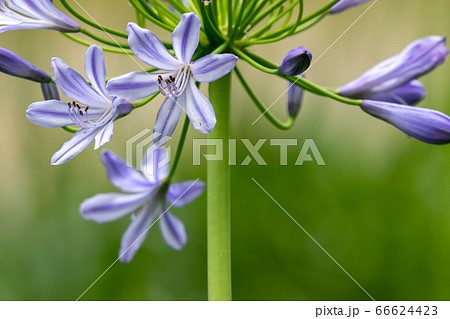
(94, 66)
(155, 164)
(213, 67)
(135, 234)
(104, 135)
(123, 176)
(409, 94)
(149, 49)
(172, 230)
(167, 119)
(104, 208)
(133, 86)
(75, 87)
(50, 113)
(186, 36)
(199, 109)
(79, 141)
(181, 194)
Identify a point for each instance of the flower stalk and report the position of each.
(218, 197)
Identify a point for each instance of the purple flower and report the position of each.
(346, 4)
(295, 62)
(50, 91)
(426, 125)
(34, 14)
(294, 99)
(417, 59)
(408, 94)
(12, 64)
(92, 108)
(178, 83)
(148, 195)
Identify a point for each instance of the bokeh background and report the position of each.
(380, 206)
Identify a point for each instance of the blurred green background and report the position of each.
(380, 206)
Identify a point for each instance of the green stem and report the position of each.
(106, 49)
(218, 196)
(181, 141)
(272, 119)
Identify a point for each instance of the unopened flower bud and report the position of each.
(426, 125)
(12, 64)
(50, 91)
(346, 4)
(295, 62)
(294, 99)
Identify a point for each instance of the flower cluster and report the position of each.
(207, 39)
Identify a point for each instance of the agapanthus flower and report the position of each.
(12, 64)
(178, 83)
(295, 62)
(146, 194)
(50, 91)
(426, 125)
(92, 108)
(408, 94)
(294, 99)
(346, 4)
(34, 14)
(417, 59)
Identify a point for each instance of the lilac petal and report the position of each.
(213, 67)
(123, 176)
(79, 141)
(149, 49)
(94, 66)
(75, 87)
(121, 107)
(426, 125)
(167, 119)
(134, 86)
(155, 164)
(199, 109)
(12, 64)
(135, 234)
(346, 4)
(172, 230)
(104, 135)
(181, 194)
(104, 208)
(50, 113)
(50, 91)
(417, 59)
(186, 36)
(409, 94)
(34, 14)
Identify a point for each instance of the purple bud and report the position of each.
(426, 125)
(346, 4)
(12, 64)
(50, 91)
(295, 62)
(409, 94)
(417, 59)
(294, 99)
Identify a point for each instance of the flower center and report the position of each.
(173, 86)
(79, 115)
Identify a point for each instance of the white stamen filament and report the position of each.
(175, 85)
(79, 115)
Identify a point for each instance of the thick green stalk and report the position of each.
(218, 192)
